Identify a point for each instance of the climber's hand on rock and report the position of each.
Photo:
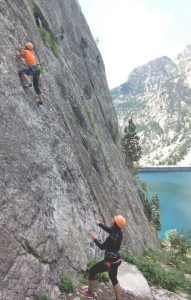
(94, 236)
(98, 222)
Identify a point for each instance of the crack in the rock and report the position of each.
(29, 250)
(73, 267)
(34, 253)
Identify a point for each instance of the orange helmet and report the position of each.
(120, 221)
(29, 46)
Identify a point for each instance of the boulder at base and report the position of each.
(161, 294)
(133, 282)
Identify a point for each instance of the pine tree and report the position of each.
(155, 201)
(145, 201)
(130, 145)
(155, 211)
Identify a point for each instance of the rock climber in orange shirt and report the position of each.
(31, 69)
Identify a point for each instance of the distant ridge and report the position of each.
(157, 96)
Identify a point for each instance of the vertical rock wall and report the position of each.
(61, 166)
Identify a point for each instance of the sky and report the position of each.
(133, 32)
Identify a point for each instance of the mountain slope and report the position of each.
(158, 97)
(61, 167)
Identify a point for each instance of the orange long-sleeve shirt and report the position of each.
(29, 57)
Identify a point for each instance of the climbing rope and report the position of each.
(97, 249)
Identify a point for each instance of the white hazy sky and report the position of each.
(133, 32)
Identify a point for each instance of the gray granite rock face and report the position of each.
(61, 165)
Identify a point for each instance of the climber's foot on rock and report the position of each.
(39, 103)
(87, 294)
(27, 85)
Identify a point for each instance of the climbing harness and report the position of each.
(112, 255)
(109, 256)
(109, 264)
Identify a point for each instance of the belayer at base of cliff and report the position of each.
(112, 259)
(30, 69)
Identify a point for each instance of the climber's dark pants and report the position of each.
(36, 80)
(35, 72)
(102, 267)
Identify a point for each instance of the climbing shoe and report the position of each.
(87, 294)
(39, 103)
(27, 85)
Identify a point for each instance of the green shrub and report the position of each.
(49, 40)
(45, 35)
(185, 266)
(43, 297)
(130, 258)
(178, 244)
(89, 113)
(66, 285)
(153, 273)
(152, 265)
(102, 277)
(158, 256)
(174, 281)
(32, 6)
(156, 275)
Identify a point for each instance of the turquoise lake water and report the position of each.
(174, 191)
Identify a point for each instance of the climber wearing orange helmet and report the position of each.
(30, 69)
(112, 259)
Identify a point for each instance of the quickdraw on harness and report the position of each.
(111, 256)
(109, 264)
(40, 66)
